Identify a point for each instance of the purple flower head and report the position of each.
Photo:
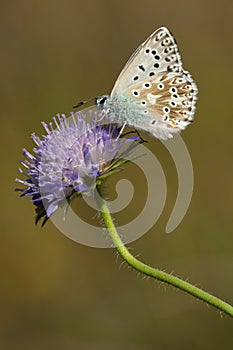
(69, 159)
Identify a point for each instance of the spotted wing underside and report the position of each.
(155, 79)
(159, 53)
(167, 101)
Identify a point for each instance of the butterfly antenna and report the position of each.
(79, 104)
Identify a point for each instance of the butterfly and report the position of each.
(153, 92)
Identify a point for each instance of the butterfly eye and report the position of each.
(100, 101)
(136, 77)
(143, 103)
(147, 50)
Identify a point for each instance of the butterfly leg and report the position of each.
(133, 132)
(121, 131)
(141, 139)
(103, 114)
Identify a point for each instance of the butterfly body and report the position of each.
(153, 93)
(123, 109)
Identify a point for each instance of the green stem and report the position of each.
(152, 272)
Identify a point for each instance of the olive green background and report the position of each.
(57, 293)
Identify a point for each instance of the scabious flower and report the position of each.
(70, 160)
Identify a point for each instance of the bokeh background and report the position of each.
(57, 293)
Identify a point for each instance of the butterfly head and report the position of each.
(101, 101)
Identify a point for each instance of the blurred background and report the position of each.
(57, 293)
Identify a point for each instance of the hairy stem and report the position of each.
(153, 272)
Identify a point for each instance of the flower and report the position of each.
(70, 160)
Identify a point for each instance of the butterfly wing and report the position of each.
(157, 54)
(167, 102)
(154, 78)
